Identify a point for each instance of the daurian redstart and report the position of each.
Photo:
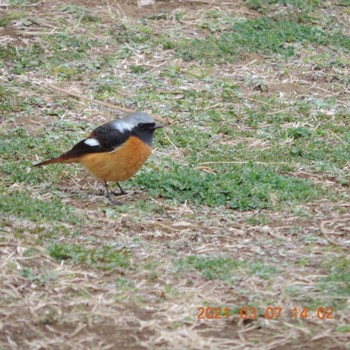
(114, 151)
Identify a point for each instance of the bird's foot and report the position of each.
(117, 194)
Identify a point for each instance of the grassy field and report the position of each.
(242, 214)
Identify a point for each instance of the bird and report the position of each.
(114, 151)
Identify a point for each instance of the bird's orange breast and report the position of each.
(120, 164)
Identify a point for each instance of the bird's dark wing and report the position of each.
(105, 138)
(109, 137)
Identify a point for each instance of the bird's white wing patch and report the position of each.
(122, 125)
(92, 142)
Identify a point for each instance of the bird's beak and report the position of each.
(158, 126)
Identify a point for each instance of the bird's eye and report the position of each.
(141, 125)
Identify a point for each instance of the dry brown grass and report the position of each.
(77, 306)
(82, 308)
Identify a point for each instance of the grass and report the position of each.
(337, 283)
(243, 203)
(20, 205)
(226, 269)
(266, 35)
(105, 257)
(11, 103)
(330, 291)
(17, 156)
(243, 188)
(267, 5)
(34, 277)
(80, 13)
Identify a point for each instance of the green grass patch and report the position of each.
(104, 257)
(9, 101)
(22, 205)
(226, 269)
(56, 55)
(321, 146)
(244, 187)
(140, 34)
(106, 87)
(18, 147)
(265, 5)
(337, 283)
(330, 291)
(38, 277)
(80, 13)
(21, 2)
(75, 42)
(65, 50)
(16, 150)
(344, 328)
(11, 16)
(264, 35)
(20, 60)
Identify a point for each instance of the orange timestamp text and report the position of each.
(270, 312)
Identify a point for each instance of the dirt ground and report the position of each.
(76, 306)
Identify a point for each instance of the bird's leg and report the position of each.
(122, 192)
(109, 195)
(107, 190)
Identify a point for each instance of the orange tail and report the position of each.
(60, 159)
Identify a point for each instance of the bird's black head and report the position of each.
(138, 124)
(145, 130)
